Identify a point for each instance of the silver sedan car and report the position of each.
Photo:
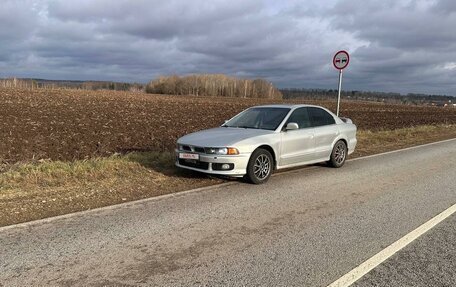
(264, 138)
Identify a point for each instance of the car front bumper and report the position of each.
(206, 162)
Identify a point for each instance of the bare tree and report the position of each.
(213, 85)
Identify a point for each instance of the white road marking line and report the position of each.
(181, 193)
(362, 269)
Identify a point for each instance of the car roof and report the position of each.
(290, 106)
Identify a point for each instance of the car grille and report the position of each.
(199, 149)
(194, 163)
(193, 148)
(186, 148)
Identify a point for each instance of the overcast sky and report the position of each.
(399, 46)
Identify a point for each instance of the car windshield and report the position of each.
(258, 118)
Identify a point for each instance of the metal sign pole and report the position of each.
(340, 86)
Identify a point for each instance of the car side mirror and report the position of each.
(292, 126)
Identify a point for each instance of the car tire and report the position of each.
(338, 154)
(260, 166)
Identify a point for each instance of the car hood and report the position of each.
(221, 136)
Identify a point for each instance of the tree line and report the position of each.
(57, 84)
(215, 85)
(325, 94)
(218, 85)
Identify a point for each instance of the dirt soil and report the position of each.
(78, 124)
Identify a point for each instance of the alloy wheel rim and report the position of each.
(339, 153)
(262, 167)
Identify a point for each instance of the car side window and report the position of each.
(301, 117)
(320, 117)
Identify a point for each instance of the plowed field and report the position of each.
(77, 124)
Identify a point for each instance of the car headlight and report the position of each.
(222, 150)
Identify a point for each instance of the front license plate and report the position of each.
(189, 156)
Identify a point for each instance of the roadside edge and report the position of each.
(186, 192)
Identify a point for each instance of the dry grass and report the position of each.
(371, 142)
(45, 188)
(106, 172)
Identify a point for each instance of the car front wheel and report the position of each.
(338, 154)
(260, 166)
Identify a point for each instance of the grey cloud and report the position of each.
(153, 19)
(395, 45)
(408, 44)
(17, 20)
(391, 24)
(445, 6)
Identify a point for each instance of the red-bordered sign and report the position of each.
(341, 60)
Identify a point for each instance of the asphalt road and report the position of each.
(429, 261)
(304, 228)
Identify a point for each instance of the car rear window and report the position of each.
(320, 117)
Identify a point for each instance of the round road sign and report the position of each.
(341, 59)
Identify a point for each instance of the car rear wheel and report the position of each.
(338, 154)
(260, 166)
